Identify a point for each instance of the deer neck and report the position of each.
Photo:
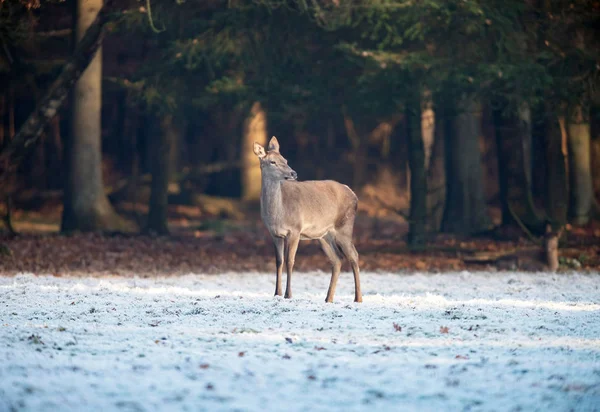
(271, 203)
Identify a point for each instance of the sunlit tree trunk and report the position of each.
(418, 179)
(255, 130)
(582, 201)
(436, 173)
(513, 137)
(466, 210)
(427, 127)
(86, 207)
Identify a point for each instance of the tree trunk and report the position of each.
(176, 139)
(11, 113)
(595, 144)
(57, 140)
(436, 180)
(427, 127)
(466, 210)
(38, 171)
(557, 190)
(513, 137)
(418, 180)
(56, 95)
(129, 151)
(86, 207)
(2, 109)
(255, 130)
(582, 202)
(159, 195)
(539, 161)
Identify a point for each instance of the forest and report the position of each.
(469, 129)
(461, 264)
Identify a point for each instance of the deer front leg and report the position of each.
(279, 246)
(291, 247)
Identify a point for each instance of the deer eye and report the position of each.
(272, 162)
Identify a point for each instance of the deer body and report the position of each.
(305, 207)
(294, 211)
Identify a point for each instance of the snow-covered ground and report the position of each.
(457, 341)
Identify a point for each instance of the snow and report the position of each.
(514, 341)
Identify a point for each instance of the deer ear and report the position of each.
(273, 145)
(259, 150)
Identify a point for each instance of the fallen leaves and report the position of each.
(444, 329)
(421, 265)
(211, 245)
(397, 327)
(240, 249)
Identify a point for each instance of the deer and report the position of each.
(293, 210)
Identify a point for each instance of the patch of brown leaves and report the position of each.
(246, 246)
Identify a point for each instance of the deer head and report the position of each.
(273, 165)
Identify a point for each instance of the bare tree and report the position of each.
(86, 207)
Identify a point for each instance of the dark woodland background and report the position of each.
(469, 129)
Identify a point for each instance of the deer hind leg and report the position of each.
(344, 241)
(335, 257)
(291, 247)
(279, 246)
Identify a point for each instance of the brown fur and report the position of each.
(292, 210)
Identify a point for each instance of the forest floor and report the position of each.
(453, 341)
(201, 242)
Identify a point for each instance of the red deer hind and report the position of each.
(292, 211)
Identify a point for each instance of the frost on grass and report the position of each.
(454, 341)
